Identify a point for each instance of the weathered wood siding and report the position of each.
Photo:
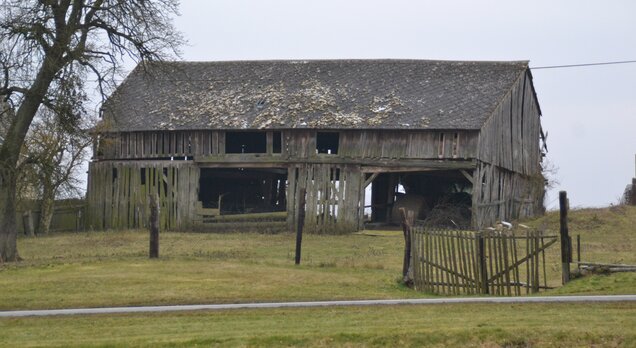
(296, 144)
(500, 194)
(117, 195)
(507, 181)
(160, 144)
(334, 197)
(510, 137)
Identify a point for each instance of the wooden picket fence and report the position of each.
(453, 262)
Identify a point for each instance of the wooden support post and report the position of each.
(301, 223)
(566, 251)
(407, 224)
(370, 180)
(154, 226)
(481, 258)
(390, 198)
(467, 176)
(578, 250)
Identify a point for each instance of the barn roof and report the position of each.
(323, 94)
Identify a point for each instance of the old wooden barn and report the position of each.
(231, 144)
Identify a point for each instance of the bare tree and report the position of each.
(56, 152)
(49, 48)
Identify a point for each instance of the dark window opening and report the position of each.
(327, 142)
(245, 142)
(277, 144)
(143, 176)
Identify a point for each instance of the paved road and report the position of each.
(426, 301)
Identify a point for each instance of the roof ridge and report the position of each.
(343, 60)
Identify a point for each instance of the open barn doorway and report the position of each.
(243, 190)
(440, 197)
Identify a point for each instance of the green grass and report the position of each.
(111, 268)
(477, 325)
(607, 234)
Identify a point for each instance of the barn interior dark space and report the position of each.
(245, 142)
(435, 196)
(327, 142)
(277, 142)
(243, 190)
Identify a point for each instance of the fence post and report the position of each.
(407, 225)
(301, 223)
(154, 226)
(578, 251)
(566, 246)
(481, 258)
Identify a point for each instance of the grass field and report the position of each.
(535, 325)
(111, 269)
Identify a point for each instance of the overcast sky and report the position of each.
(589, 112)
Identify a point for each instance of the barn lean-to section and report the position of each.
(509, 166)
(231, 144)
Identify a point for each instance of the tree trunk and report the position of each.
(8, 228)
(10, 150)
(46, 210)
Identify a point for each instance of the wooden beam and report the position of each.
(374, 164)
(468, 176)
(370, 179)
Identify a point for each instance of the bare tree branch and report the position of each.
(48, 49)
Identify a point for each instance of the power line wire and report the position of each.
(580, 65)
(533, 68)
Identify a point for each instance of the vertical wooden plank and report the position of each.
(426, 256)
(491, 252)
(536, 262)
(434, 261)
(301, 222)
(446, 262)
(515, 259)
(475, 262)
(481, 258)
(452, 262)
(461, 240)
(506, 264)
(527, 242)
